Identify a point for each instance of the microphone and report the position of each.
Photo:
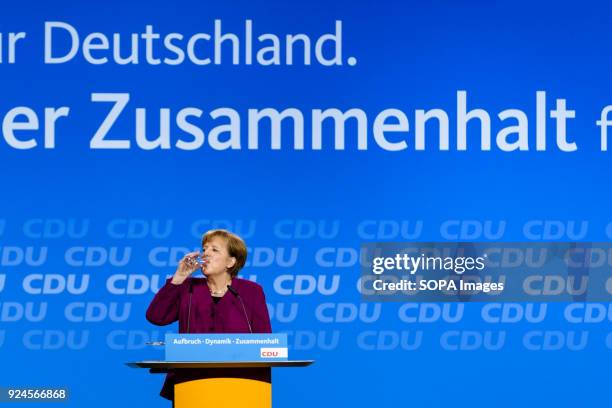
(246, 317)
(189, 309)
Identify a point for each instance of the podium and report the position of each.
(221, 384)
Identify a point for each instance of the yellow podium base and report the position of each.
(223, 393)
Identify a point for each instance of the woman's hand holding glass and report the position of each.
(188, 265)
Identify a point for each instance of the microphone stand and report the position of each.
(189, 309)
(246, 317)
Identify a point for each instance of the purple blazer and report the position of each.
(171, 303)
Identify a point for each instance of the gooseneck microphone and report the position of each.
(246, 317)
(189, 309)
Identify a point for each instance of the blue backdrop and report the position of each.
(86, 221)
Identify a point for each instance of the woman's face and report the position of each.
(217, 260)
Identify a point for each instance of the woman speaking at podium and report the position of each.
(218, 303)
